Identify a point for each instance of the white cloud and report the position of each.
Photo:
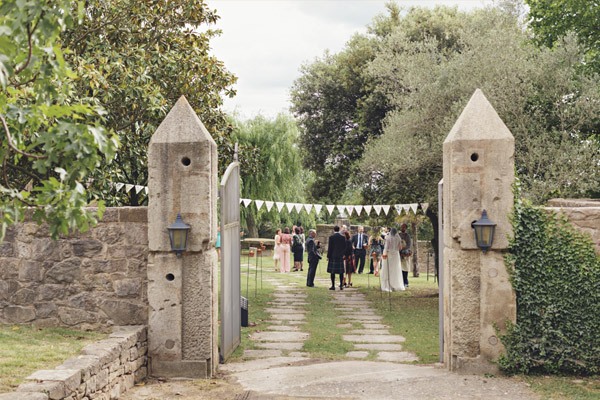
(264, 42)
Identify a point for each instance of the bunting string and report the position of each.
(308, 208)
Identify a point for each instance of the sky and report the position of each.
(265, 42)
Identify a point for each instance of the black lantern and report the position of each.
(178, 234)
(484, 232)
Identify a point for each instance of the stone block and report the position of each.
(71, 378)
(88, 365)
(19, 314)
(127, 287)
(136, 234)
(8, 288)
(102, 379)
(55, 390)
(23, 396)
(51, 292)
(45, 249)
(133, 214)
(108, 233)
(107, 351)
(67, 271)
(123, 312)
(31, 271)
(23, 297)
(46, 323)
(87, 248)
(74, 316)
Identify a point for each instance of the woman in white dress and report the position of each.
(277, 249)
(391, 273)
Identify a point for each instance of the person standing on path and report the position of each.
(391, 274)
(277, 249)
(349, 261)
(360, 242)
(286, 241)
(312, 248)
(405, 253)
(335, 256)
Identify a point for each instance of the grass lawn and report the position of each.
(25, 349)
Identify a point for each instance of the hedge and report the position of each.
(556, 275)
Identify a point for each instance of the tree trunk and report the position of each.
(251, 225)
(433, 217)
(415, 250)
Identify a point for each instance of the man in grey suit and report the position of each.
(335, 256)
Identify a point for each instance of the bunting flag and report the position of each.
(358, 210)
(146, 189)
(350, 210)
(246, 202)
(377, 209)
(269, 205)
(279, 205)
(414, 207)
(386, 209)
(298, 207)
(368, 209)
(424, 206)
(342, 209)
(318, 208)
(289, 206)
(308, 207)
(139, 188)
(330, 208)
(128, 187)
(259, 204)
(119, 186)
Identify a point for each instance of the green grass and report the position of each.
(561, 387)
(25, 349)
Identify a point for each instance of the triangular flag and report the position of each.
(298, 207)
(424, 206)
(119, 186)
(350, 210)
(377, 209)
(246, 202)
(318, 208)
(279, 205)
(358, 210)
(259, 204)
(406, 208)
(386, 209)
(398, 208)
(368, 209)
(290, 206)
(414, 207)
(269, 205)
(241, 200)
(330, 208)
(138, 188)
(342, 209)
(308, 207)
(128, 187)
(146, 189)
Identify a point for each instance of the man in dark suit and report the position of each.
(360, 241)
(312, 247)
(335, 256)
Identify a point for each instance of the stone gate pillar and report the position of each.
(182, 292)
(478, 174)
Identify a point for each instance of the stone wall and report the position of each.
(88, 281)
(104, 370)
(584, 214)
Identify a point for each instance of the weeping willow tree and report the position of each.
(276, 172)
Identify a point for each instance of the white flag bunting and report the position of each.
(269, 205)
(330, 208)
(259, 204)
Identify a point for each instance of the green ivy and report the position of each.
(555, 272)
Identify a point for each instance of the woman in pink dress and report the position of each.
(284, 258)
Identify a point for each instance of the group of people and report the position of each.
(389, 251)
(390, 256)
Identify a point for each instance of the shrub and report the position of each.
(556, 275)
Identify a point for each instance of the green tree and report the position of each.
(552, 20)
(278, 174)
(50, 141)
(136, 58)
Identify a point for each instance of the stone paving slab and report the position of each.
(281, 310)
(374, 338)
(378, 346)
(369, 332)
(357, 354)
(259, 363)
(287, 304)
(279, 336)
(374, 326)
(298, 354)
(397, 356)
(344, 325)
(366, 316)
(280, 345)
(261, 353)
(283, 328)
(289, 317)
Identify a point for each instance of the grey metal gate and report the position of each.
(229, 192)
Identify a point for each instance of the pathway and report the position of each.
(278, 370)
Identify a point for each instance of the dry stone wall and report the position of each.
(103, 371)
(88, 281)
(584, 214)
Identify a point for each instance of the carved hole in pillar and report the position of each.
(170, 277)
(169, 344)
(474, 157)
(186, 161)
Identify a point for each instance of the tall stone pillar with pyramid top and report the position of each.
(182, 291)
(478, 297)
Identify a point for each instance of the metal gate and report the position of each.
(229, 192)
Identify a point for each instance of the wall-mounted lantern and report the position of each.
(484, 232)
(178, 235)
